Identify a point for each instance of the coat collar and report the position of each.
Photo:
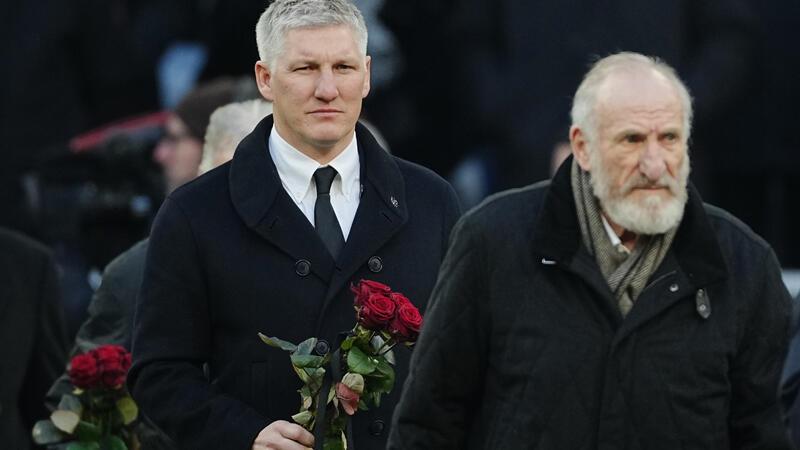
(557, 234)
(264, 206)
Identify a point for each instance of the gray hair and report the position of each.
(585, 101)
(284, 15)
(228, 125)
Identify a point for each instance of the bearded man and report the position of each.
(606, 309)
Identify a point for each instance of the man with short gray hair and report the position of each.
(272, 241)
(606, 309)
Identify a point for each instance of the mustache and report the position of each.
(642, 182)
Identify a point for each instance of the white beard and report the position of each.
(652, 214)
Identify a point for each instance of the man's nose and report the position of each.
(326, 86)
(651, 162)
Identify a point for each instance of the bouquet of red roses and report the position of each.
(99, 412)
(362, 366)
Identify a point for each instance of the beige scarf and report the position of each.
(626, 273)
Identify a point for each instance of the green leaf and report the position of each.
(87, 431)
(306, 399)
(65, 421)
(354, 381)
(83, 446)
(127, 409)
(112, 442)
(304, 361)
(306, 347)
(312, 377)
(359, 362)
(279, 343)
(44, 433)
(383, 378)
(303, 418)
(70, 403)
(335, 443)
(347, 344)
(390, 357)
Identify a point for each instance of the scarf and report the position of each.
(626, 273)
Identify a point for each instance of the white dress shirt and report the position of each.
(615, 240)
(296, 171)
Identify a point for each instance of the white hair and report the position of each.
(584, 104)
(228, 125)
(284, 15)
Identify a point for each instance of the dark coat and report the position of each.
(231, 255)
(791, 378)
(33, 336)
(525, 348)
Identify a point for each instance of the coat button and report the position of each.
(375, 264)
(322, 347)
(673, 287)
(376, 428)
(302, 267)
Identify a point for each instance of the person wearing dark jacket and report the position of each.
(791, 377)
(33, 335)
(609, 308)
(255, 245)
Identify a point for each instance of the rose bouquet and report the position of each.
(360, 369)
(99, 412)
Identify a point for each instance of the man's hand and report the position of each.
(282, 435)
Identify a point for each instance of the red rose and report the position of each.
(408, 321)
(83, 371)
(365, 288)
(376, 312)
(113, 362)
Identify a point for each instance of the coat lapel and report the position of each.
(265, 207)
(382, 212)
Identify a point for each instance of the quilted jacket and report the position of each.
(524, 347)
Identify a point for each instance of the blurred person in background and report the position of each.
(180, 150)
(227, 126)
(112, 306)
(33, 336)
(62, 76)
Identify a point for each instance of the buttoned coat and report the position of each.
(231, 255)
(553, 365)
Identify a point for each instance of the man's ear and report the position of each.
(580, 147)
(365, 89)
(264, 80)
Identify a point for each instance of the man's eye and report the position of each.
(670, 137)
(344, 67)
(633, 138)
(302, 68)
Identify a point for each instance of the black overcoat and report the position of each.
(32, 331)
(231, 255)
(525, 347)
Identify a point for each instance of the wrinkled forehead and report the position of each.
(639, 91)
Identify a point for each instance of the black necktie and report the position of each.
(324, 218)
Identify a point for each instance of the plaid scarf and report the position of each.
(626, 273)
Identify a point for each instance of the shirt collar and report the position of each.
(296, 169)
(616, 242)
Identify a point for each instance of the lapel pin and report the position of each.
(394, 202)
